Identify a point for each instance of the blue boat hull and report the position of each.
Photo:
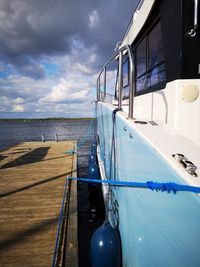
(156, 229)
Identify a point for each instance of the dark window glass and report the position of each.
(141, 58)
(156, 75)
(155, 54)
(151, 66)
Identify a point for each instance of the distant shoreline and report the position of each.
(41, 119)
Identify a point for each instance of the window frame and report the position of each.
(156, 86)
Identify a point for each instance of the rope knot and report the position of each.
(163, 187)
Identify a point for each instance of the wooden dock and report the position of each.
(32, 179)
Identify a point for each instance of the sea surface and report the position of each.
(14, 132)
(89, 216)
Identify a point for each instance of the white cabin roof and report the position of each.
(137, 21)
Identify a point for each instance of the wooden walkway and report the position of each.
(32, 178)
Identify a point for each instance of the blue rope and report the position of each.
(59, 224)
(162, 187)
(83, 140)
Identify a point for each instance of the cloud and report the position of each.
(18, 108)
(51, 52)
(94, 19)
(18, 100)
(32, 29)
(68, 91)
(13, 105)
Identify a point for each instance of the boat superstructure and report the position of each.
(148, 126)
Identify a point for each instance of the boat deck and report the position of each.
(32, 179)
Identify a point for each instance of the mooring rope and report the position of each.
(113, 146)
(161, 187)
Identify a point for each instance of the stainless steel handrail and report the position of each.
(193, 31)
(120, 81)
(131, 78)
(104, 97)
(131, 83)
(98, 89)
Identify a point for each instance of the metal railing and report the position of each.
(101, 96)
(193, 31)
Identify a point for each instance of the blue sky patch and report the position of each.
(50, 68)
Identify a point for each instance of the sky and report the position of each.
(51, 52)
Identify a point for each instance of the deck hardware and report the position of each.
(153, 123)
(178, 156)
(140, 122)
(125, 129)
(131, 135)
(187, 164)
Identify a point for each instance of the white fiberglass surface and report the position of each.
(157, 228)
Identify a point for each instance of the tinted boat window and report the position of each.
(141, 58)
(155, 47)
(150, 62)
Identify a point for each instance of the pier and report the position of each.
(32, 180)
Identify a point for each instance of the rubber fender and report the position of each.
(93, 148)
(93, 171)
(91, 159)
(105, 247)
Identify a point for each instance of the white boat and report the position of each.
(148, 125)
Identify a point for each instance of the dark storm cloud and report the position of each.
(114, 19)
(30, 30)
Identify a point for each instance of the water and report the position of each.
(90, 208)
(12, 133)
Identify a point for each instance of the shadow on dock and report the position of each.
(3, 157)
(34, 184)
(21, 236)
(31, 157)
(31, 199)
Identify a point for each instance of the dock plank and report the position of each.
(32, 178)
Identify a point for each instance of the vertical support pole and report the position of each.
(43, 138)
(131, 83)
(104, 84)
(120, 82)
(98, 89)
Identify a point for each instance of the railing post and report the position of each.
(98, 89)
(120, 81)
(193, 31)
(101, 96)
(104, 84)
(131, 83)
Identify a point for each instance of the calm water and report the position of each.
(12, 133)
